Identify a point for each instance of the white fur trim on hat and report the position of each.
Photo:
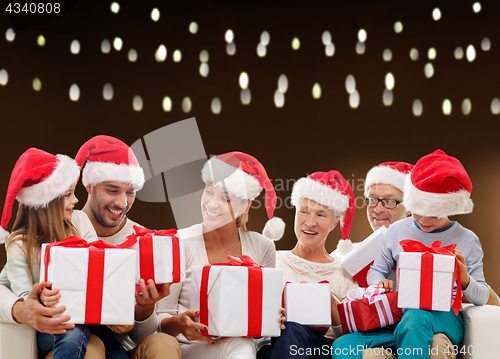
(98, 172)
(3, 235)
(436, 204)
(320, 193)
(385, 175)
(62, 177)
(238, 183)
(274, 229)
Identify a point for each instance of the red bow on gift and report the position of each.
(427, 269)
(244, 261)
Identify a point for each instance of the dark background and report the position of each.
(306, 135)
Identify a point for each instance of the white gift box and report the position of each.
(410, 278)
(229, 314)
(308, 304)
(68, 269)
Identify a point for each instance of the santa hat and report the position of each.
(109, 159)
(244, 176)
(331, 190)
(438, 187)
(391, 173)
(37, 179)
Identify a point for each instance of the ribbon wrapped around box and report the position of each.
(426, 277)
(369, 308)
(238, 298)
(160, 255)
(96, 280)
(308, 304)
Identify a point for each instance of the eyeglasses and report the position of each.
(386, 203)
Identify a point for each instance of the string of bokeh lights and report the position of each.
(279, 94)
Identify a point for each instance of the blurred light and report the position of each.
(261, 50)
(436, 14)
(362, 35)
(295, 43)
(265, 38)
(229, 36)
(244, 80)
(117, 43)
(75, 47)
(37, 84)
(387, 97)
(330, 49)
(167, 104)
(326, 38)
(74, 92)
(132, 55)
(204, 69)
(432, 53)
(418, 108)
(204, 56)
(161, 53)
(137, 103)
(446, 107)
(283, 83)
(486, 44)
(398, 27)
(245, 96)
(4, 77)
(476, 7)
(466, 107)
(105, 46)
(186, 104)
(387, 55)
(231, 48)
(115, 7)
(389, 81)
(316, 91)
(350, 84)
(495, 106)
(279, 99)
(107, 92)
(40, 40)
(471, 53)
(177, 56)
(10, 35)
(155, 14)
(193, 28)
(414, 54)
(354, 99)
(216, 106)
(459, 53)
(360, 48)
(429, 70)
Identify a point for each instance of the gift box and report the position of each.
(358, 261)
(426, 277)
(308, 303)
(237, 299)
(160, 255)
(369, 308)
(96, 280)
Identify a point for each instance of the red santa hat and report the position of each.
(37, 179)
(331, 190)
(244, 176)
(438, 187)
(109, 159)
(391, 173)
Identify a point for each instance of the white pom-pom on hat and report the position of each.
(274, 229)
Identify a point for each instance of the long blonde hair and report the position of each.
(42, 225)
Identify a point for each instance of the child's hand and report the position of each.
(48, 296)
(388, 285)
(282, 318)
(462, 264)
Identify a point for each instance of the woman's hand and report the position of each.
(388, 285)
(184, 323)
(283, 318)
(462, 264)
(48, 296)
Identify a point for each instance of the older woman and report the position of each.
(232, 181)
(321, 200)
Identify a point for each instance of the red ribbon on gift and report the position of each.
(95, 276)
(427, 268)
(255, 282)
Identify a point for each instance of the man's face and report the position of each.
(110, 202)
(379, 216)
